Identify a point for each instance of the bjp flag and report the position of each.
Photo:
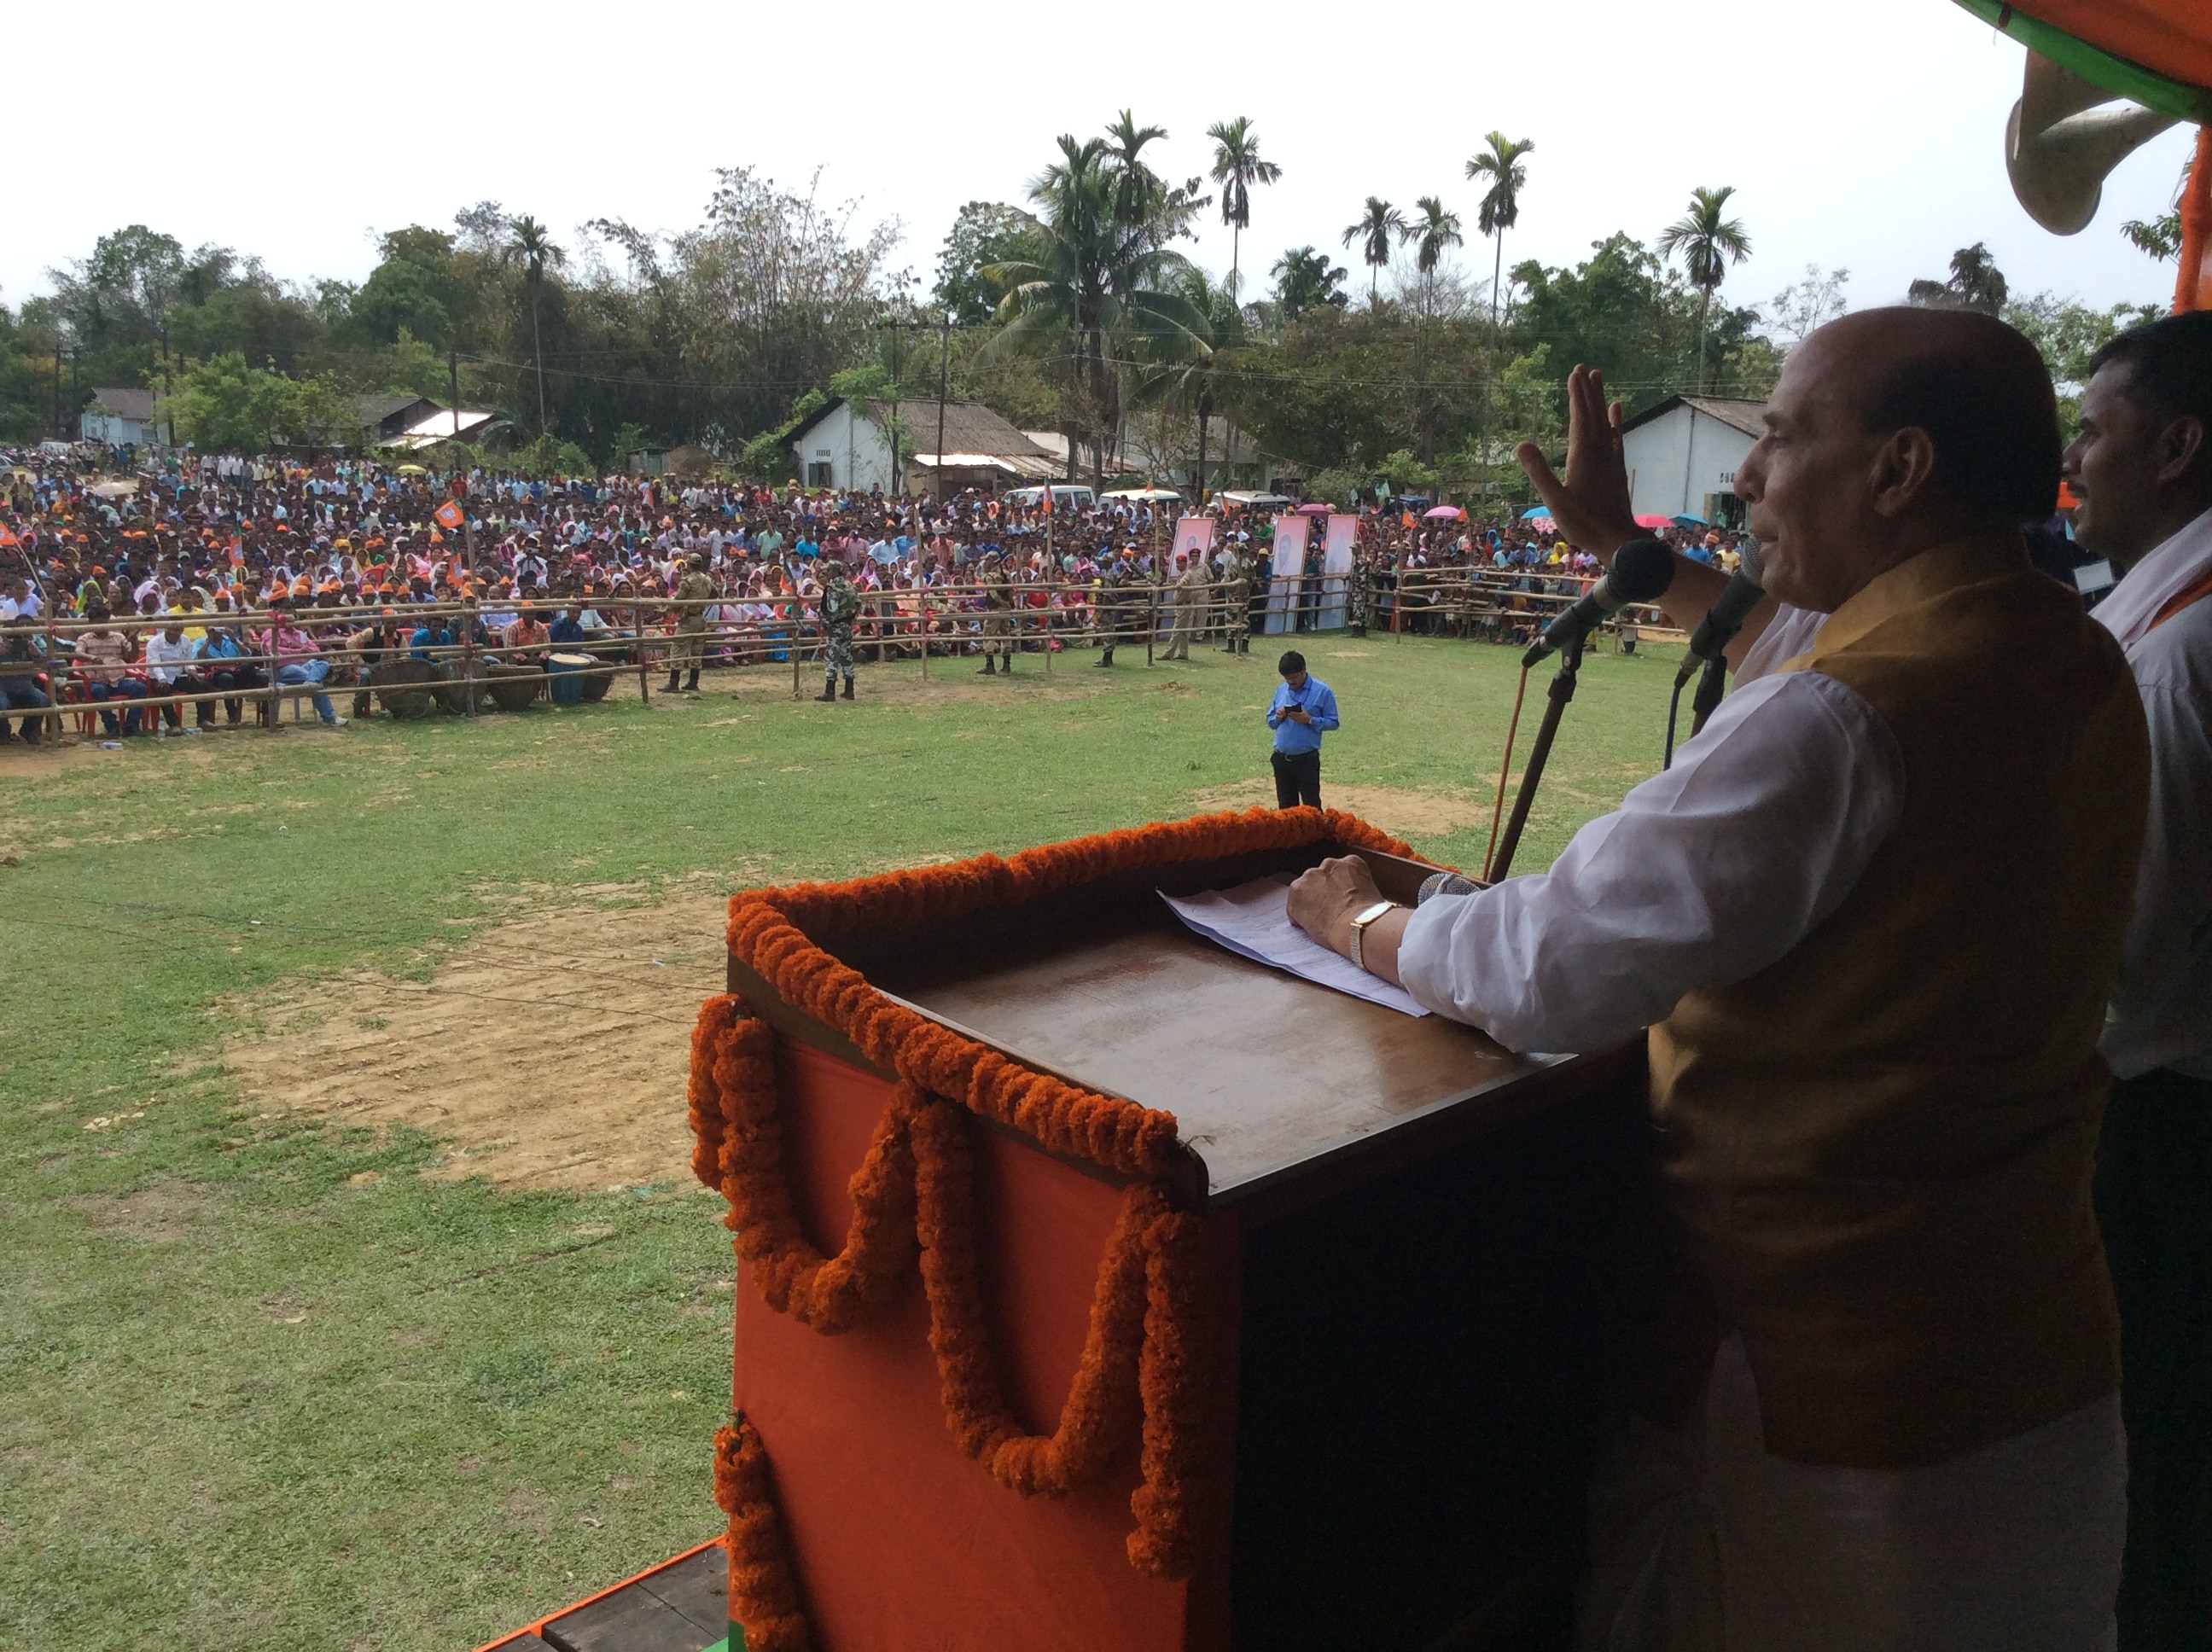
(447, 516)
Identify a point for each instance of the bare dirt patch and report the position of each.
(1402, 810)
(548, 1051)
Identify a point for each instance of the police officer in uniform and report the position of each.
(840, 607)
(691, 644)
(1190, 606)
(997, 614)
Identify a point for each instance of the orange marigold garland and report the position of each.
(1164, 1544)
(828, 1293)
(763, 1586)
(915, 1189)
(1102, 1401)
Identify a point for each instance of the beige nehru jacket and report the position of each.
(1879, 1147)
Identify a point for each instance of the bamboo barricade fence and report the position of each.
(940, 622)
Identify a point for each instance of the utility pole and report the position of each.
(891, 424)
(944, 370)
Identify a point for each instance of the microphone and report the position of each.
(1641, 571)
(1727, 615)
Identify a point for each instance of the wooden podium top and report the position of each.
(1283, 1090)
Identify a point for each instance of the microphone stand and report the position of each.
(1713, 683)
(1561, 691)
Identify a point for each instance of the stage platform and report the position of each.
(680, 1606)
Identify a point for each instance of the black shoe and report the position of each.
(675, 681)
(990, 666)
(849, 688)
(829, 693)
(692, 687)
(1105, 660)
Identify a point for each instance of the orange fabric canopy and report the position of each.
(2172, 38)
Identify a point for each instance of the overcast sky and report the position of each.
(1870, 136)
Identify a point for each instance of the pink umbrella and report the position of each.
(1655, 521)
(1443, 513)
(1315, 509)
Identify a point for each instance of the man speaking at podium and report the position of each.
(1870, 917)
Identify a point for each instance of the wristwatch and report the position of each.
(1360, 922)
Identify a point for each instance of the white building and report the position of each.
(1682, 456)
(846, 445)
(121, 417)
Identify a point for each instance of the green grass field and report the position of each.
(253, 1397)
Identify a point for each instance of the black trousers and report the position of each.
(2154, 1192)
(1298, 779)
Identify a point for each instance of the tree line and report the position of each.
(1077, 309)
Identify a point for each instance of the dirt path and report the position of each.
(550, 1051)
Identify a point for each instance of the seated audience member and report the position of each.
(21, 662)
(299, 659)
(170, 657)
(430, 640)
(384, 638)
(527, 637)
(103, 665)
(227, 666)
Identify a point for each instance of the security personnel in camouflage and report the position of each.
(997, 614)
(1114, 583)
(691, 644)
(840, 606)
(1362, 596)
(1236, 594)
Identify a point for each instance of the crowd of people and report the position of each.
(213, 574)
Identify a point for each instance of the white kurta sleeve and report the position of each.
(1708, 873)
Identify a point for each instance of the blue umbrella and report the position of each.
(1535, 511)
(1685, 520)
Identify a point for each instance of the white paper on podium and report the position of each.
(1254, 920)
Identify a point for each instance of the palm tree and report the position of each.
(1187, 380)
(1237, 167)
(1501, 204)
(1093, 292)
(1305, 280)
(531, 244)
(1377, 224)
(1139, 190)
(1435, 231)
(1709, 242)
(1976, 283)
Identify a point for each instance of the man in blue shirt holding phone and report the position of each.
(1304, 710)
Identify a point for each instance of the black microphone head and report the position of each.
(1641, 571)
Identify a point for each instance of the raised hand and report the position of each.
(1591, 506)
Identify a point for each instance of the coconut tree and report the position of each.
(1379, 224)
(1188, 380)
(1092, 292)
(1500, 209)
(531, 244)
(1237, 167)
(1709, 241)
(1305, 280)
